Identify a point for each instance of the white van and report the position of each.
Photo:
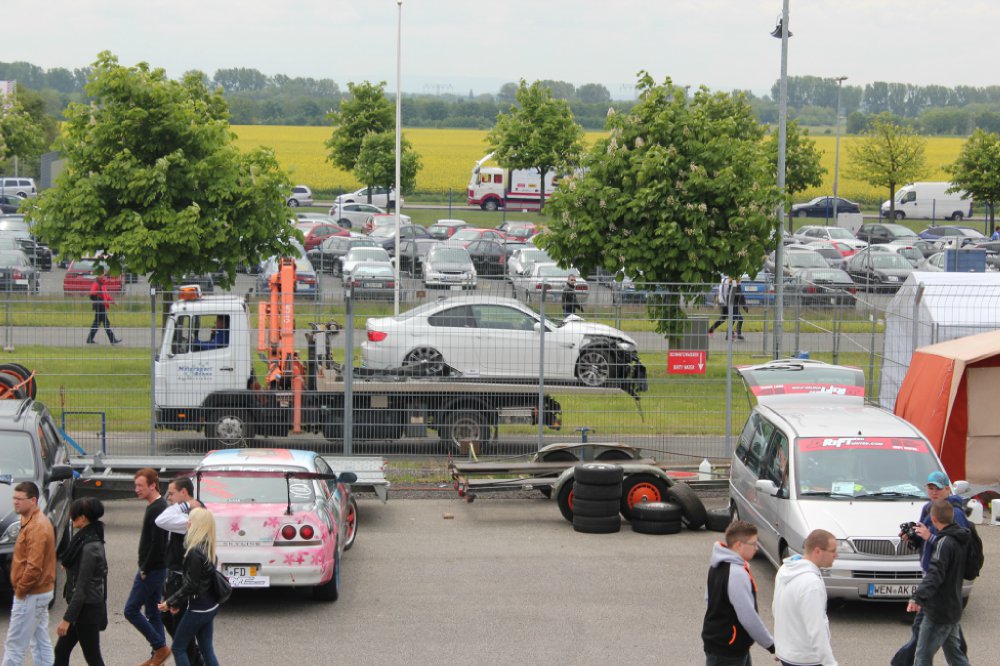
(22, 187)
(930, 201)
(811, 456)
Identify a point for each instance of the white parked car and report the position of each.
(449, 267)
(522, 259)
(358, 255)
(551, 279)
(380, 197)
(353, 215)
(301, 196)
(499, 337)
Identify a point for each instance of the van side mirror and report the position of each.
(960, 487)
(766, 486)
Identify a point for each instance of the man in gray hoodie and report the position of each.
(732, 624)
(801, 628)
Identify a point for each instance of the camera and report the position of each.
(909, 531)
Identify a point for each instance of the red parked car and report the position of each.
(317, 232)
(80, 276)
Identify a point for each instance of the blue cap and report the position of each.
(939, 479)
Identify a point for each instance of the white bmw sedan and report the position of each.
(499, 337)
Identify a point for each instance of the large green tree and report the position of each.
(22, 133)
(155, 184)
(977, 170)
(890, 154)
(538, 132)
(365, 111)
(681, 191)
(376, 162)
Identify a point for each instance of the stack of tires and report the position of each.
(596, 498)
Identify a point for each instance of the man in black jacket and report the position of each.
(940, 592)
(141, 608)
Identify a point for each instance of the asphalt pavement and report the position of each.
(505, 581)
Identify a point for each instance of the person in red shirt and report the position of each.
(100, 300)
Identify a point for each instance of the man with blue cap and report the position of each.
(938, 488)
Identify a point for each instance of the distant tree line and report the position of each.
(256, 98)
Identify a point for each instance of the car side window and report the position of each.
(743, 445)
(775, 464)
(758, 445)
(502, 318)
(459, 317)
(52, 444)
(329, 485)
(181, 343)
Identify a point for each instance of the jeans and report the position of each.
(100, 318)
(87, 632)
(29, 626)
(720, 660)
(198, 625)
(146, 594)
(939, 636)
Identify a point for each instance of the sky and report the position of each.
(458, 46)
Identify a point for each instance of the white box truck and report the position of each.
(930, 201)
(491, 188)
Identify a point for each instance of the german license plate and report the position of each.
(245, 575)
(241, 569)
(889, 590)
(372, 285)
(456, 287)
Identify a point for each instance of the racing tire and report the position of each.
(657, 512)
(7, 387)
(717, 520)
(598, 474)
(694, 513)
(656, 527)
(330, 590)
(351, 523)
(432, 360)
(591, 525)
(230, 427)
(467, 429)
(22, 373)
(594, 508)
(594, 366)
(639, 489)
(566, 499)
(588, 492)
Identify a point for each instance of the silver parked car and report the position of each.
(813, 455)
(449, 267)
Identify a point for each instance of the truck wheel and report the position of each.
(430, 358)
(330, 590)
(899, 215)
(351, 523)
(490, 205)
(467, 429)
(230, 428)
(565, 500)
(694, 515)
(640, 488)
(7, 390)
(17, 370)
(593, 368)
(957, 216)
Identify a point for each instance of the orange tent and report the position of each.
(950, 394)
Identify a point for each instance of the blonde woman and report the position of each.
(196, 591)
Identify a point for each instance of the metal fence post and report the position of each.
(729, 368)
(871, 355)
(917, 298)
(348, 371)
(541, 366)
(152, 371)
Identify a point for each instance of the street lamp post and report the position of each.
(779, 254)
(398, 189)
(836, 159)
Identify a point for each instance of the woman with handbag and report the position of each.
(86, 588)
(198, 589)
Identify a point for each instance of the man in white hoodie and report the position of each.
(801, 629)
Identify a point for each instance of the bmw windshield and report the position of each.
(862, 467)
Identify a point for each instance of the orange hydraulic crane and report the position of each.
(276, 338)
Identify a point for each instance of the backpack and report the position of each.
(974, 556)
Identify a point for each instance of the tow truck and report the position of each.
(210, 384)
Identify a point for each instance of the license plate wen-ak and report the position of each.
(889, 590)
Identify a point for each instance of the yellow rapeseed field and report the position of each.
(448, 156)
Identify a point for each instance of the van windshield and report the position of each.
(862, 467)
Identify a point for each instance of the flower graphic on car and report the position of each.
(234, 526)
(273, 521)
(294, 558)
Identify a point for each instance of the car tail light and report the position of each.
(811, 289)
(307, 280)
(539, 285)
(390, 285)
(581, 287)
(377, 336)
(307, 532)
(17, 274)
(288, 532)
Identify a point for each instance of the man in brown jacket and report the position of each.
(33, 578)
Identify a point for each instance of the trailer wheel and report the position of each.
(694, 515)
(7, 390)
(559, 455)
(614, 454)
(330, 590)
(467, 429)
(565, 500)
(593, 368)
(230, 427)
(430, 358)
(641, 488)
(22, 373)
(351, 523)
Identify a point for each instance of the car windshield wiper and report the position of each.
(825, 493)
(892, 493)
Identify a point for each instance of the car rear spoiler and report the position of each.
(343, 477)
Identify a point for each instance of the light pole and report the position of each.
(836, 153)
(781, 31)
(397, 189)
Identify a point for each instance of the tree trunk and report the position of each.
(541, 202)
(892, 202)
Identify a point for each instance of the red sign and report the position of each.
(686, 362)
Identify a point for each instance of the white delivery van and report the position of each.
(813, 455)
(930, 201)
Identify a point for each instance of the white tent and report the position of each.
(931, 308)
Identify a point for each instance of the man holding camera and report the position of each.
(923, 535)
